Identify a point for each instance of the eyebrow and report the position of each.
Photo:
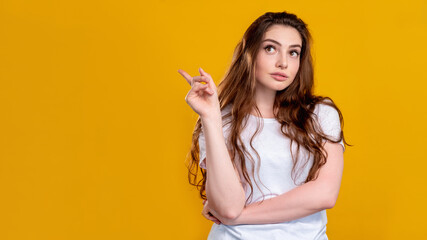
(276, 42)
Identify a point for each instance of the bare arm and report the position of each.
(223, 188)
(301, 201)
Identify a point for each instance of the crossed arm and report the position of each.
(301, 201)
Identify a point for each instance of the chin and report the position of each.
(281, 88)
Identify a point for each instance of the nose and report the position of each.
(282, 61)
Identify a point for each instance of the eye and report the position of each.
(269, 47)
(296, 53)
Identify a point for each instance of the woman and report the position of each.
(264, 127)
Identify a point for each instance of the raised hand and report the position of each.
(202, 98)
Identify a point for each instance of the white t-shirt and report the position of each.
(275, 175)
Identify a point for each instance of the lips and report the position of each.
(280, 74)
(279, 77)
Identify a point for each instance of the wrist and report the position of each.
(214, 118)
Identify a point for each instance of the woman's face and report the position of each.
(279, 54)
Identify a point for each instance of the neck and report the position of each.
(264, 99)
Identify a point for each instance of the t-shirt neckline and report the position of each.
(266, 120)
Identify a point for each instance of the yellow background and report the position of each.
(94, 129)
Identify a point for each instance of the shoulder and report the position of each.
(323, 106)
(328, 118)
(324, 111)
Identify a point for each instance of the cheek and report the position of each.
(296, 67)
(262, 63)
(259, 66)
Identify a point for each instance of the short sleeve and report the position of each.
(202, 150)
(329, 121)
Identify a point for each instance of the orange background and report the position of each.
(94, 129)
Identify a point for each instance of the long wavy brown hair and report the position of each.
(295, 104)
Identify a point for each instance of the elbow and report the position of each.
(330, 202)
(229, 211)
(236, 209)
(330, 197)
(233, 213)
(230, 217)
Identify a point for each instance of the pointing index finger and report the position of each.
(186, 76)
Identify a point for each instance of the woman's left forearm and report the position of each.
(301, 201)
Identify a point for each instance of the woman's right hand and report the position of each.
(202, 98)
